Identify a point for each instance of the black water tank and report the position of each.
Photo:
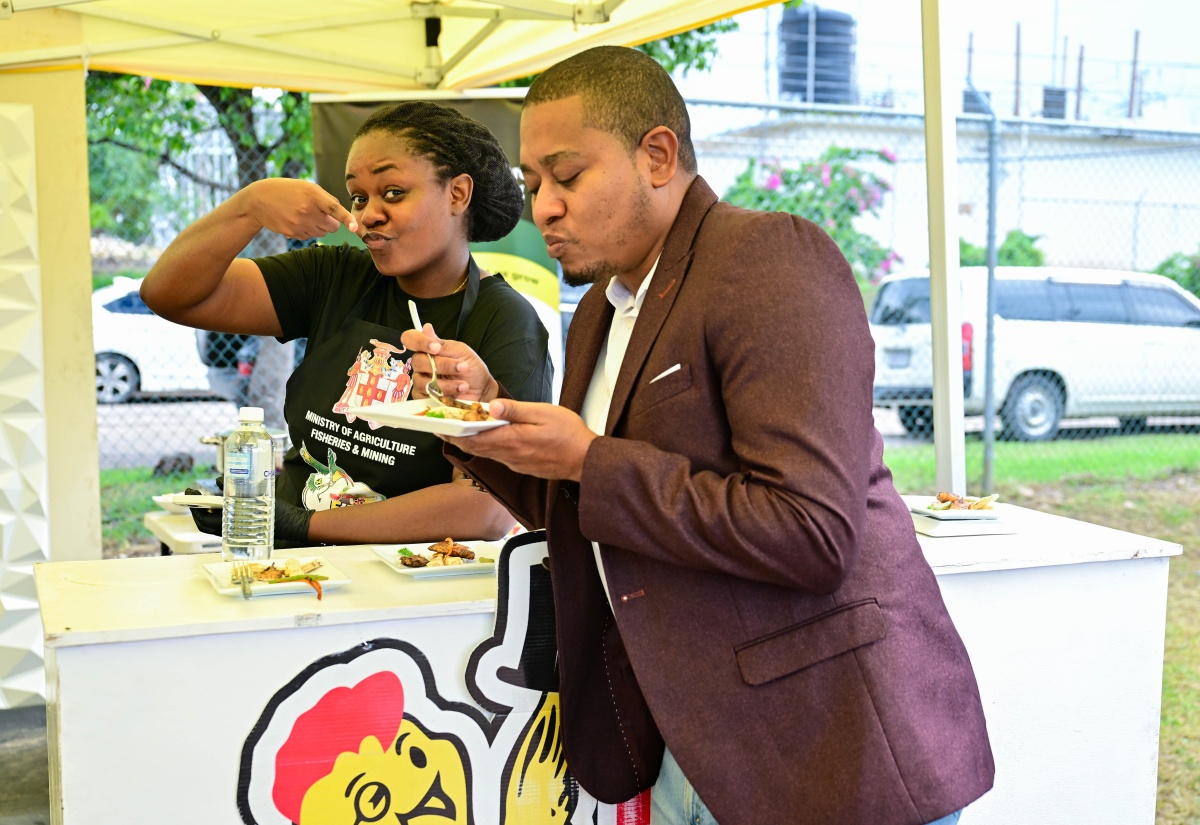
(830, 73)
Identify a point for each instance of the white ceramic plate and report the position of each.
(390, 553)
(218, 573)
(167, 503)
(954, 515)
(180, 502)
(404, 414)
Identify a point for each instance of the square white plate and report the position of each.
(180, 502)
(390, 553)
(953, 515)
(219, 572)
(406, 415)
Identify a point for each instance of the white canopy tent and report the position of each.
(351, 46)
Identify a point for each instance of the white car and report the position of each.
(1069, 343)
(139, 353)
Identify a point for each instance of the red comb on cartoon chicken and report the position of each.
(355, 758)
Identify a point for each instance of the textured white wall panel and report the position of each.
(24, 532)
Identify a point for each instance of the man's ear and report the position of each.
(460, 188)
(662, 148)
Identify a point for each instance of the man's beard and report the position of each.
(606, 270)
(590, 274)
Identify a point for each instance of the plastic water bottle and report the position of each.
(248, 531)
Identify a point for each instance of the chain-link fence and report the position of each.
(162, 155)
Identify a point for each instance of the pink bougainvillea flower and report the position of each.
(888, 155)
(774, 182)
(830, 224)
(853, 192)
(826, 174)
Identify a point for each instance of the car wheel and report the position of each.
(1132, 426)
(917, 420)
(1033, 409)
(116, 378)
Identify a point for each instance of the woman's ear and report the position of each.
(460, 188)
(662, 148)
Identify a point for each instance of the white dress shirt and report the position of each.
(604, 377)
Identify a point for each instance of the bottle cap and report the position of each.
(254, 414)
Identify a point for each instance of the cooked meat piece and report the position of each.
(443, 546)
(414, 561)
(476, 413)
(947, 497)
(461, 551)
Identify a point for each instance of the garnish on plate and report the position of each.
(292, 571)
(952, 501)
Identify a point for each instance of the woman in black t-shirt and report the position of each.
(424, 180)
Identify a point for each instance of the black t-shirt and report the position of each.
(315, 290)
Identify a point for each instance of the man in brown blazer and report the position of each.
(742, 605)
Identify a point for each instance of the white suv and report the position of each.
(1069, 343)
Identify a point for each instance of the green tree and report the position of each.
(1018, 249)
(832, 192)
(1183, 270)
(685, 51)
(136, 125)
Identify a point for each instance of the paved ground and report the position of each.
(25, 787)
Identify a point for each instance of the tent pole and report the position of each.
(945, 306)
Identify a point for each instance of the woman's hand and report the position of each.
(298, 209)
(461, 373)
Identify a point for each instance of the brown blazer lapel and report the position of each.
(668, 278)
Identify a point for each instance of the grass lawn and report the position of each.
(125, 496)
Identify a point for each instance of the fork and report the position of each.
(241, 575)
(433, 387)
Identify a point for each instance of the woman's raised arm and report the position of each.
(200, 282)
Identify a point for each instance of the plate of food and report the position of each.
(445, 558)
(277, 577)
(428, 416)
(952, 507)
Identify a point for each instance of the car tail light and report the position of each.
(968, 347)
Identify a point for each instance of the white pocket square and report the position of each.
(666, 372)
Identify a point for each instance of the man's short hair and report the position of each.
(624, 92)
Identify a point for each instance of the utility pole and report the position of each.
(1017, 89)
(1079, 85)
(1133, 75)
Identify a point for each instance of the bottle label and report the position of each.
(239, 464)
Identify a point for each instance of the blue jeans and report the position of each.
(674, 801)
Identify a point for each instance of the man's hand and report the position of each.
(461, 373)
(543, 440)
(297, 209)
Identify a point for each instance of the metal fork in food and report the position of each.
(433, 387)
(241, 575)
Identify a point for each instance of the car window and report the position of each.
(1028, 301)
(1161, 307)
(902, 302)
(129, 304)
(1096, 303)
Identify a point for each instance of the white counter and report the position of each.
(1064, 622)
